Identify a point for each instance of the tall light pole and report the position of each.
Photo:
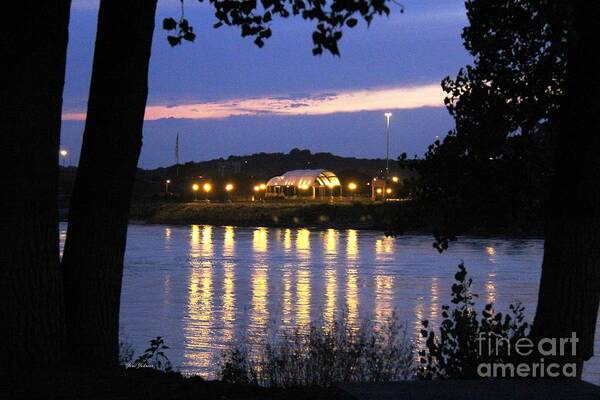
(207, 188)
(64, 153)
(228, 189)
(167, 186)
(388, 116)
(195, 188)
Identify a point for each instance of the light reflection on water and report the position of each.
(201, 287)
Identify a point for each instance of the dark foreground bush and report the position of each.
(324, 355)
(458, 348)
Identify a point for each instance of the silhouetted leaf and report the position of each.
(174, 40)
(169, 24)
(189, 36)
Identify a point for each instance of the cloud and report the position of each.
(391, 98)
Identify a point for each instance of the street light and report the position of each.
(207, 187)
(195, 188)
(228, 188)
(167, 186)
(256, 190)
(395, 179)
(388, 116)
(64, 153)
(352, 188)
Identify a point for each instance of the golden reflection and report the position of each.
(384, 246)
(303, 240)
(259, 281)
(228, 300)
(260, 240)
(229, 241)
(198, 327)
(352, 244)
(491, 252)
(352, 299)
(207, 245)
(167, 233)
(419, 315)
(352, 295)
(384, 297)
(287, 295)
(435, 298)
(287, 239)
(303, 288)
(303, 297)
(331, 239)
(330, 295)
(194, 242)
(260, 314)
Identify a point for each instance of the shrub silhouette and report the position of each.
(324, 355)
(455, 351)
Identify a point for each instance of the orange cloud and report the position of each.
(314, 104)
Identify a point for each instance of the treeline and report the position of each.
(245, 172)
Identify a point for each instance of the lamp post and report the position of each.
(228, 189)
(352, 188)
(207, 188)
(195, 188)
(388, 116)
(256, 190)
(167, 186)
(63, 154)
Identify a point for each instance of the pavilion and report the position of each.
(304, 182)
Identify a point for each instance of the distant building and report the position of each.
(304, 182)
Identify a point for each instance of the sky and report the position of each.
(225, 96)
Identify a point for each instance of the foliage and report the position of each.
(454, 352)
(493, 167)
(126, 352)
(324, 355)
(254, 18)
(154, 356)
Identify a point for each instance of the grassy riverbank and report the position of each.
(290, 214)
(405, 216)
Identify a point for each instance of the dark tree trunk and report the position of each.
(33, 44)
(570, 284)
(93, 255)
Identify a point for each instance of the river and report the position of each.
(202, 287)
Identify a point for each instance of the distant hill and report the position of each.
(248, 170)
(267, 165)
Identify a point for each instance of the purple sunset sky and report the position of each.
(227, 97)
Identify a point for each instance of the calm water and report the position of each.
(200, 287)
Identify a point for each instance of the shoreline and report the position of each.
(312, 215)
(367, 216)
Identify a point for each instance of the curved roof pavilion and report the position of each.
(306, 178)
